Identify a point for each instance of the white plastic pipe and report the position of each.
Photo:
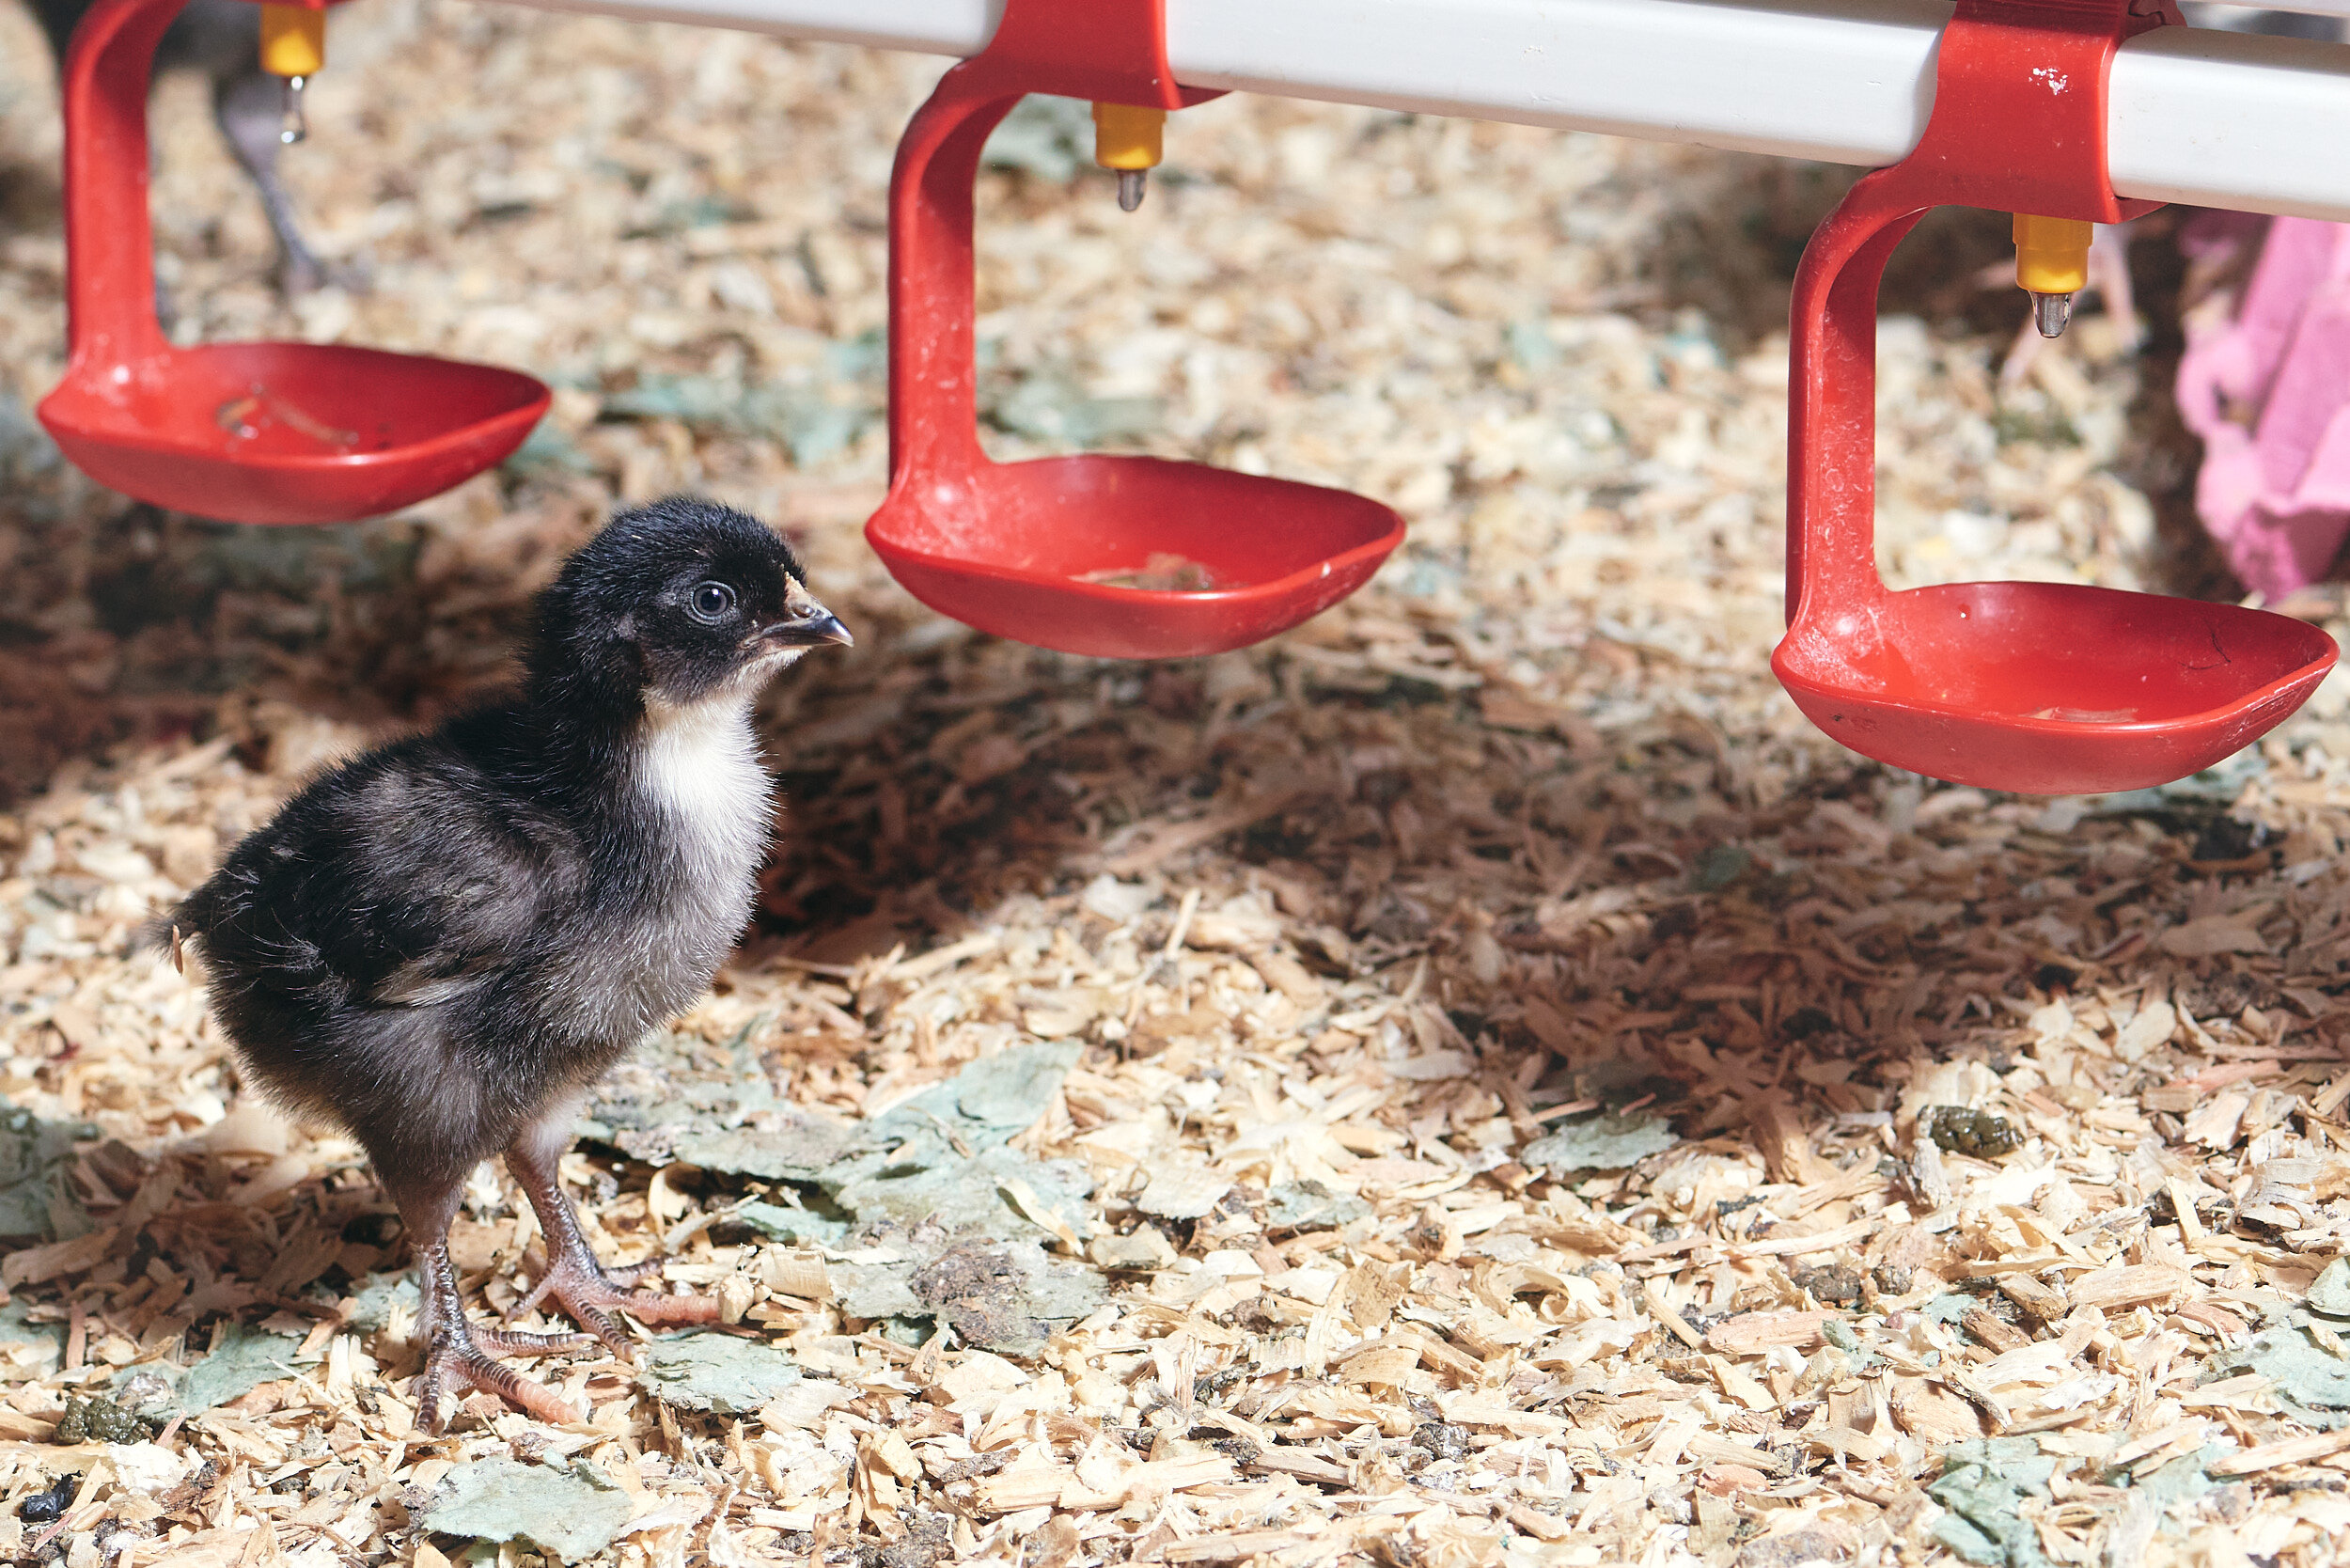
(2238, 13)
(2200, 116)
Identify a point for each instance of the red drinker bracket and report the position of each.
(2042, 688)
(246, 432)
(1035, 551)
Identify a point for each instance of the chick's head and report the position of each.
(676, 602)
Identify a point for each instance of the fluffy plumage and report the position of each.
(441, 943)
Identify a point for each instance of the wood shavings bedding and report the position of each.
(1994, 1131)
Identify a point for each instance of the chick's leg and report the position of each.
(453, 1358)
(574, 1280)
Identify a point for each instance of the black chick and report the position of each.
(441, 943)
(221, 39)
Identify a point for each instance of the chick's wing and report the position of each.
(403, 881)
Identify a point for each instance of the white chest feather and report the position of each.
(699, 769)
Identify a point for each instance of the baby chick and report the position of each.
(440, 944)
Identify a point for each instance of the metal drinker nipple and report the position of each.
(2052, 265)
(293, 48)
(1129, 138)
(292, 127)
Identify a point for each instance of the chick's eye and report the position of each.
(710, 602)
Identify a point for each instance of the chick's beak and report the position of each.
(809, 626)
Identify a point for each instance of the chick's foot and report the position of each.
(454, 1358)
(588, 1296)
(455, 1362)
(574, 1280)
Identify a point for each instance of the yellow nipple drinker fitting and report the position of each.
(293, 47)
(2052, 265)
(1130, 139)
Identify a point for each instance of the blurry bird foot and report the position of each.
(457, 1362)
(301, 273)
(588, 1296)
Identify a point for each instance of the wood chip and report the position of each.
(1292, 1462)
(2290, 1451)
(1231, 1548)
(2144, 1284)
(1751, 1333)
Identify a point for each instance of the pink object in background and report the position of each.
(2269, 394)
